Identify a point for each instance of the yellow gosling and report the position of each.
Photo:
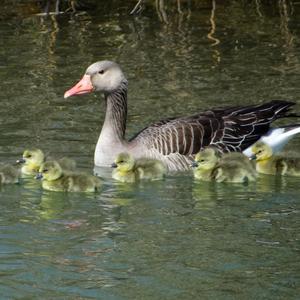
(204, 164)
(127, 169)
(239, 157)
(267, 163)
(67, 164)
(55, 179)
(32, 160)
(209, 167)
(9, 174)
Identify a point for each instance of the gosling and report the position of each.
(240, 158)
(55, 179)
(208, 166)
(127, 169)
(267, 163)
(9, 174)
(33, 158)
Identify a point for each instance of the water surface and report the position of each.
(175, 239)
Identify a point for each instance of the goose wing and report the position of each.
(231, 129)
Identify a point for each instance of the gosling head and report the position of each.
(104, 76)
(32, 157)
(49, 171)
(206, 159)
(124, 162)
(261, 151)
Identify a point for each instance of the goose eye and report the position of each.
(101, 72)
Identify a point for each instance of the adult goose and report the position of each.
(174, 141)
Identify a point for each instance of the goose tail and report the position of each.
(281, 108)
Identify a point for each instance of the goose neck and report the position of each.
(116, 112)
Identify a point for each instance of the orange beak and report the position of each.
(84, 86)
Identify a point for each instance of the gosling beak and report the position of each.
(39, 176)
(252, 157)
(194, 164)
(21, 161)
(114, 165)
(84, 86)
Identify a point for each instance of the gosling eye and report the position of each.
(101, 72)
(121, 161)
(45, 170)
(29, 156)
(202, 160)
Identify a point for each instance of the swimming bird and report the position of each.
(267, 163)
(240, 158)
(208, 166)
(32, 159)
(9, 174)
(127, 169)
(55, 179)
(174, 141)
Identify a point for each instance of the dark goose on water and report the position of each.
(174, 141)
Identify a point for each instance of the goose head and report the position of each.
(124, 162)
(103, 76)
(206, 159)
(49, 171)
(261, 151)
(32, 157)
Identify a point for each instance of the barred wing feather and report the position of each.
(232, 129)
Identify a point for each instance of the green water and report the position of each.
(175, 239)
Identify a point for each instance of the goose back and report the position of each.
(175, 141)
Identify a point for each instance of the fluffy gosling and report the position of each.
(55, 179)
(127, 169)
(32, 160)
(240, 158)
(208, 166)
(9, 174)
(267, 163)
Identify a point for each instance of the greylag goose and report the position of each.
(208, 166)
(55, 179)
(9, 174)
(32, 159)
(127, 169)
(174, 141)
(267, 163)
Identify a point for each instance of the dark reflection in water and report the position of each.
(174, 239)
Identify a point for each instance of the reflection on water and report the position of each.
(172, 239)
(52, 205)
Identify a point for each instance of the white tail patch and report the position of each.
(276, 138)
